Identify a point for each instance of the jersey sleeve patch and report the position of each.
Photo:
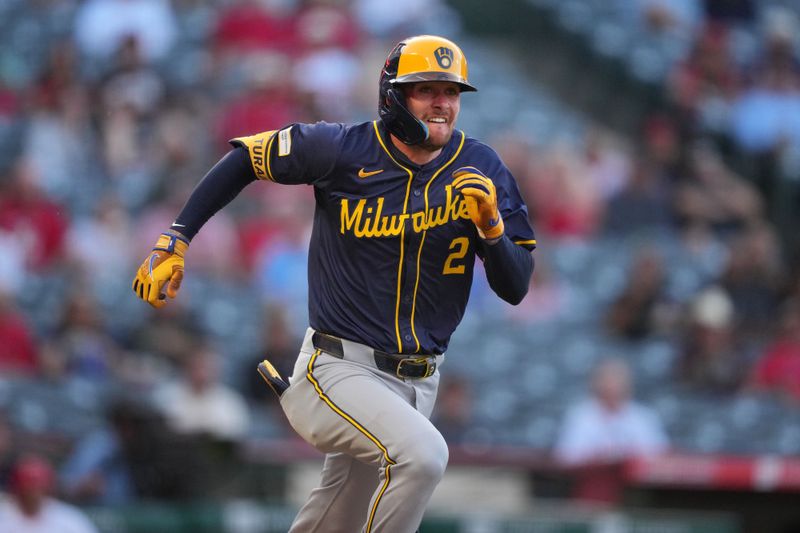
(258, 146)
(285, 142)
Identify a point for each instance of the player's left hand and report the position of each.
(481, 197)
(163, 266)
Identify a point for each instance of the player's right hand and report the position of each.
(163, 266)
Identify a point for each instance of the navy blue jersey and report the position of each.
(392, 249)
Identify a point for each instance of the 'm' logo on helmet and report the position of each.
(444, 56)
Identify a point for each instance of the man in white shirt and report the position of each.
(609, 426)
(28, 509)
(199, 403)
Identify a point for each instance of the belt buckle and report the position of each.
(430, 367)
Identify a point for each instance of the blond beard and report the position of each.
(429, 146)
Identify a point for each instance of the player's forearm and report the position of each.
(216, 190)
(508, 269)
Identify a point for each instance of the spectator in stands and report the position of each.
(161, 464)
(714, 196)
(609, 426)
(607, 162)
(175, 160)
(91, 352)
(644, 307)
(792, 289)
(198, 403)
(6, 450)
(328, 70)
(778, 368)
(18, 349)
(266, 99)
(131, 97)
(705, 250)
(70, 174)
(60, 118)
(753, 278)
(549, 297)
(326, 24)
(128, 163)
(279, 341)
(278, 344)
(453, 414)
(245, 26)
(642, 205)
(37, 222)
(600, 432)
(13, 269)
(98, 471)
(109, 222)
(10, 104)
(101, 25)
(705, 85)
(678, 18)
(131, 83)
(765, 118)
(31, 510)
(663, 146)
(60, 74)
(381, 19)
(566, 203)
(169, 339)
(730, 11)
(712, 359)
(519, 155)
(281, 267)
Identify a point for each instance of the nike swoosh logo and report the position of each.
(364, 174)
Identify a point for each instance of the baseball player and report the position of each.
(403, 206)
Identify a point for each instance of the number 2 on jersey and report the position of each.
(461, 245)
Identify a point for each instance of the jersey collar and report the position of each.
(445, 155)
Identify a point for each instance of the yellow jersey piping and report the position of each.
(425, 232)
(402, 239)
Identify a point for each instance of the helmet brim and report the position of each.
(417, 77)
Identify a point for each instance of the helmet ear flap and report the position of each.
(392, 110)
(403, 124)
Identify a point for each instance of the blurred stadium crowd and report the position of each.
(675, 253)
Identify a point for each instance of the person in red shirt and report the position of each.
(245, 26)
(778, 369)
(18, 351)
(27, 213)
(30, 508)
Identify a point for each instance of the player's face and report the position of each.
(436, 103)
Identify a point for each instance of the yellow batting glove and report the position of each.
(481, 197)
(163, 266)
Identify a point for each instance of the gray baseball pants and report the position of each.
(383, 456)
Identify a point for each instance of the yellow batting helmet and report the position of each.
(416, 59)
